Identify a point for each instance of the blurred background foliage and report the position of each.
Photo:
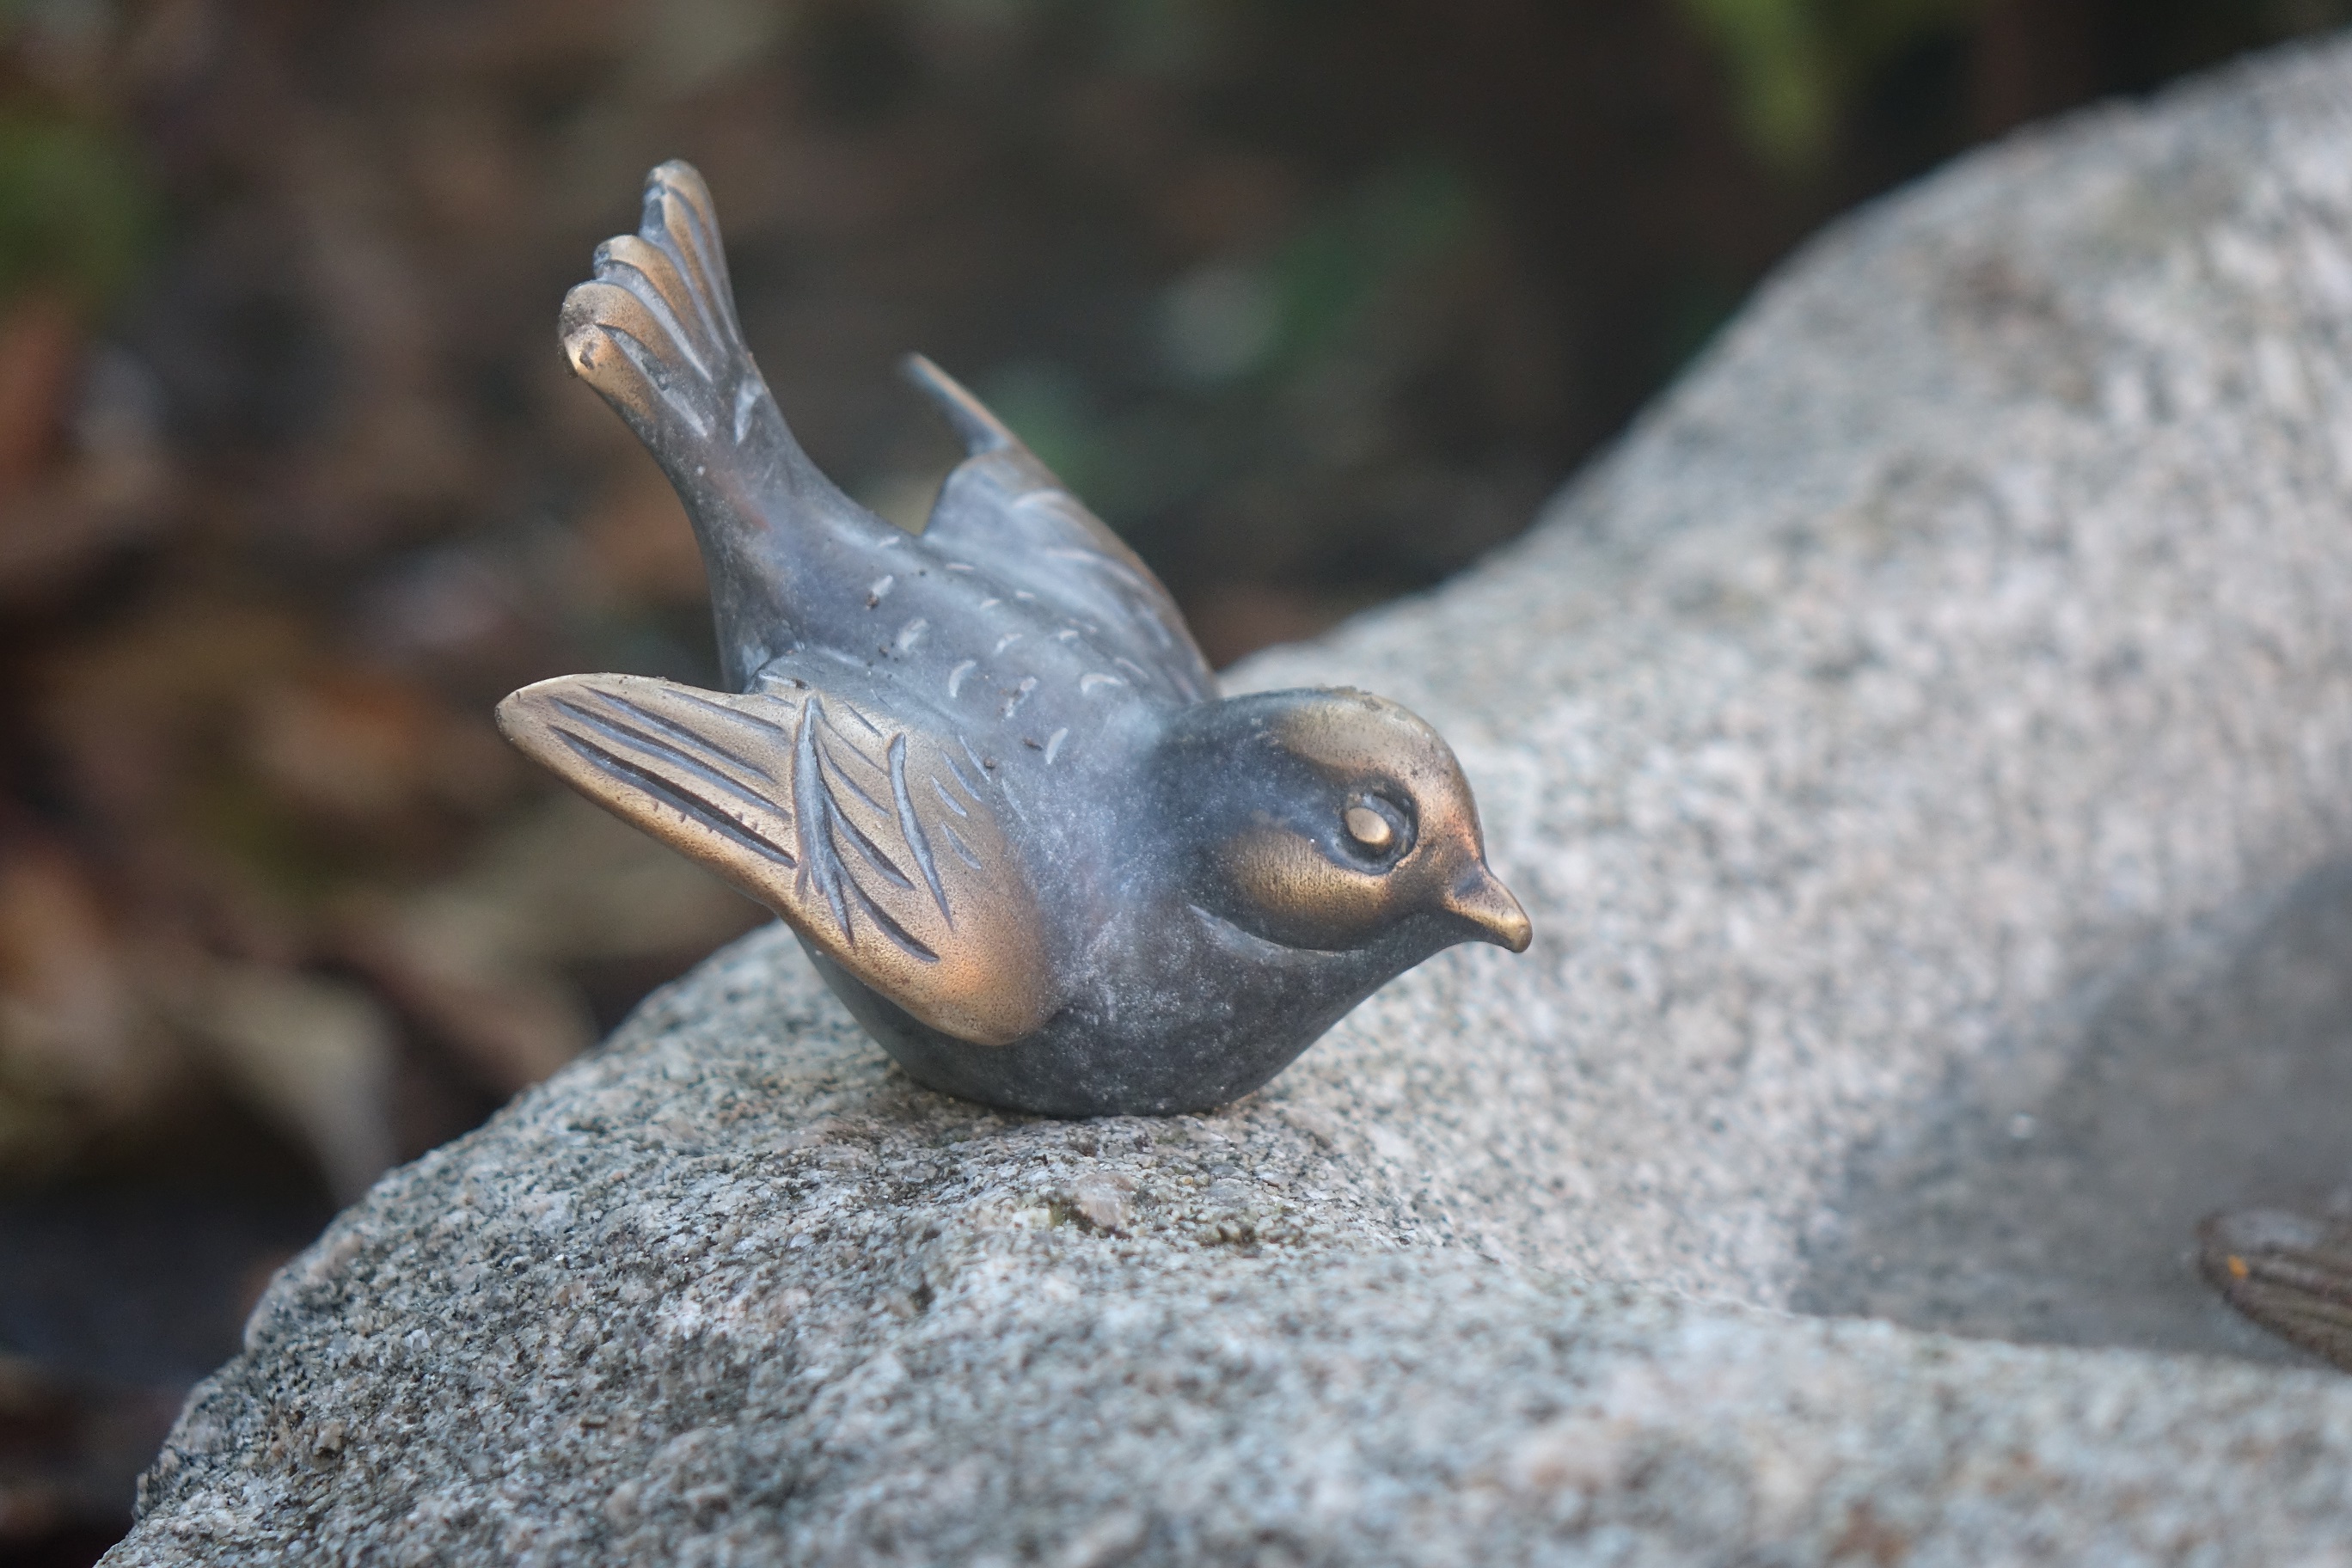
(1315, 300)
(1796, 70)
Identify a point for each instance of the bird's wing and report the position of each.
(882, 845)
(1005, 512)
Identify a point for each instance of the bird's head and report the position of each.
(1333, 821)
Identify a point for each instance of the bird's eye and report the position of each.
(1378, 829)
(1368, 828)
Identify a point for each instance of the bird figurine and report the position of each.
(2289, 1270)
(983, 771)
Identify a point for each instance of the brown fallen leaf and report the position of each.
(66, 1015)
(459, 968)
(358, 748)
(77, 1050)
(311, 1054)
(40, 349)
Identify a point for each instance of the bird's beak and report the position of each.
(1487, 907)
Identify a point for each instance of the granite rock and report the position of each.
(1923, 746)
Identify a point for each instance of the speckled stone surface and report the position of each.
(1949, 685)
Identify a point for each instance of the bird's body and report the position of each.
(983, 771)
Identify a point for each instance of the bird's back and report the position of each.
(1010, 556)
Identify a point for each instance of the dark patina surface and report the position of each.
(983, 771)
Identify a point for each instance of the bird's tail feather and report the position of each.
(655, 332)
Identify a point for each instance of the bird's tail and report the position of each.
(654, 332)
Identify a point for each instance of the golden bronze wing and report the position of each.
(881, 844)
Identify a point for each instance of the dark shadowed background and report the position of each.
(1315, 300)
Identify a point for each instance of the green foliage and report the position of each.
(1794, 63)
(1236, 337)
(76, 214)
(1339, 266)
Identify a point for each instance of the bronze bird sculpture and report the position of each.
(2289, 1270)
(983, 771)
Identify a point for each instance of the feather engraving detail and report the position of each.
(877, 842)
